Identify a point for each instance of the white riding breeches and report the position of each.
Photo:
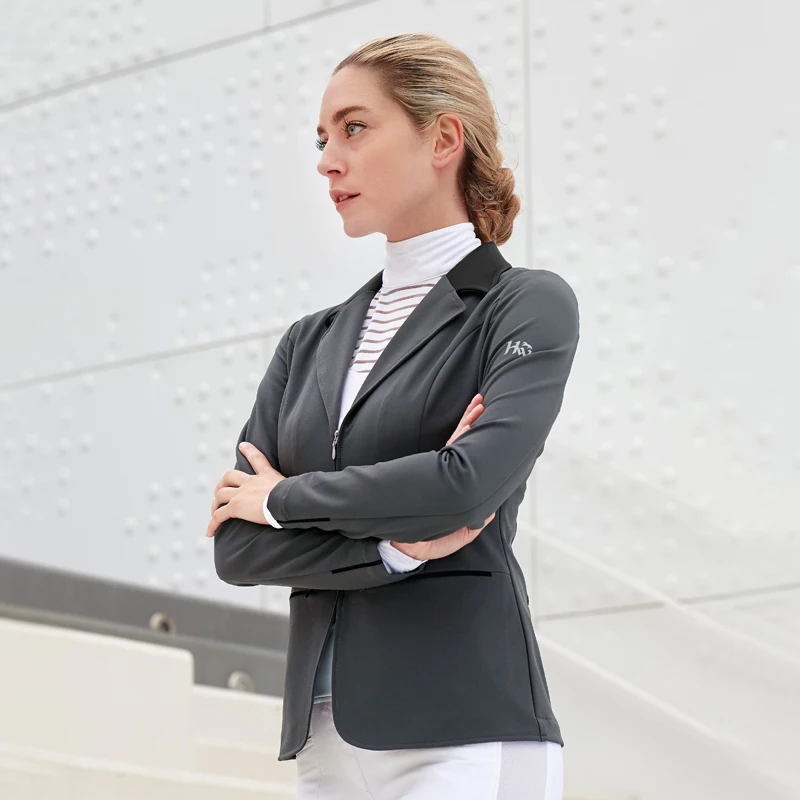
(329, 768)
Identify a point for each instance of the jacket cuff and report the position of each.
(275, 500)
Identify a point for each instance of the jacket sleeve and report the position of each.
(530, 344)
(250, 554)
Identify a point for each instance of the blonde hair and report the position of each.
(427, 76)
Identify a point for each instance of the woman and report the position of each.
(365, 470)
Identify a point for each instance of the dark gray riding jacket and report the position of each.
(445, 654)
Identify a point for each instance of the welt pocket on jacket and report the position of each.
(445, 573)
(450, 573)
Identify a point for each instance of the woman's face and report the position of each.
(406, 187)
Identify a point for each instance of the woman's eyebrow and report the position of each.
(341, 114)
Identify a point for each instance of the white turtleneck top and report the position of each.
(411, 269)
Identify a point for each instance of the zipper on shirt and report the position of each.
(335, 439)
(349, 411)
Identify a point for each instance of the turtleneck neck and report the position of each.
(429, 255)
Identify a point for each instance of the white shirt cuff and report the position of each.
(270, 519)
(394, 560)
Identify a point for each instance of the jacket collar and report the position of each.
(478, 271)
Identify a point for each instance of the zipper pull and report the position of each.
(335, 439)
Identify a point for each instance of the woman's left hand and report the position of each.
(241, 495)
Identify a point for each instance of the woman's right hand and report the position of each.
(474, 410)
(446, 545)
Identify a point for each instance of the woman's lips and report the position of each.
(346, 202)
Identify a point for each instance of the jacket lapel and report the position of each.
(478, 270)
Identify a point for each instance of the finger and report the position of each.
(258, 461)
(219, 516)
(468, 419)
(222, 496)
(458, 433)
(476, 412)
(472, 403)
(467, 410)
(232, 477)
(470, 415)
(476, 531)
(471, 535)
(477, 399)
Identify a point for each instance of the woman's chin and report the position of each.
(355, 230)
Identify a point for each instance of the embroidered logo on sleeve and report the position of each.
(518, 348)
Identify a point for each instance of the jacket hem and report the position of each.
(547, 731)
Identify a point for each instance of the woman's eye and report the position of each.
(350, 125)
(321, 144)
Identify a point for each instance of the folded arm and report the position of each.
(531, 342)
(250, 554)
